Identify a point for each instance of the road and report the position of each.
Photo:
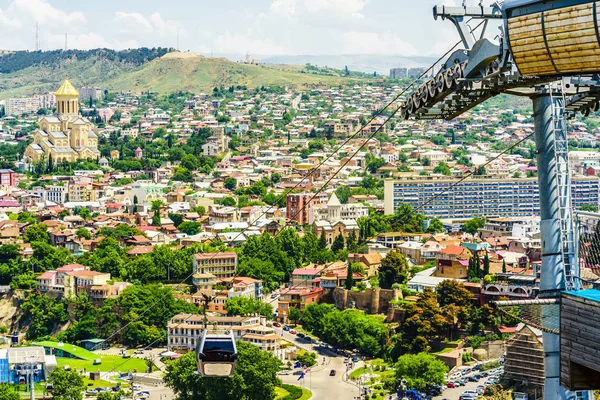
(318, 380)
(296, 102)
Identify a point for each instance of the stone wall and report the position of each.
(372, 300)
(495, 349)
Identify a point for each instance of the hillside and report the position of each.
(193, 72)
(28, 74)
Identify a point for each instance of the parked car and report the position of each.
(284, 372)
(286, 328)
(451, 385)
(139, 351)
(298, 372)
(332, 372)
(277, 324)
(355, 359)
(473, 378)
(300, 335)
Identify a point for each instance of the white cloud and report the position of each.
(352, 7)
(43, 12)
(375, 43)
(283, 8)
(132, 22)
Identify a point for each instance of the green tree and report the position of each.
(228, 202)
(503, 266)
(84, 213)
(230, 183)
(442, 168)
(156, 219)
(435, 226)
(244, 306)
(189, 227)
(349, 278)
(589, 207)
(420, 369)
(190, 162)
(307, 358)
(68, 385)
(473, 225)
(9, 392)
(338, 243)
(176, 218)
(83, 233)
(486, 264)
(393, 269)
(36, 233)
(254, 377)
(294, 314)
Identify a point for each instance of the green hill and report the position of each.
(193, 72)
(172, 72)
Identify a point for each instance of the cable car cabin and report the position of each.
(553, 37)
(216, 354)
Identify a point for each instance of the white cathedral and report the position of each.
(66, 136)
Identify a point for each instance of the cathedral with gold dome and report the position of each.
(66, 136)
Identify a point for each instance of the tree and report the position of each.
(176, 218)
(503, 266)
(244, 306)
(349, 278)
(392, 270)
(338, 243)
(84, 213)
(135, 199)
(473, 225)
(254, 377)
(230, 183)
(156, 219)
(323, 241)
(307, 358)
(83, 233)
(486, 264)
(36, 233)
(68, 385)
(420, 369)
(189, 227)
(190, 162)
(228, 202)
(442, 168)
(9, 392)
(351, 244)
(589, 207)
(294, 314)
(435, 226)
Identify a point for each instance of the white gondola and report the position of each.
(216, 354)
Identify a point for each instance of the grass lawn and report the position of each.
(120, 364)
(444, 350)
(89, 384)
(280, 393)
(77, 351)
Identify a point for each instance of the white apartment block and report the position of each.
(26, 105)
(86, 92)
(184, 330)
(55, 193)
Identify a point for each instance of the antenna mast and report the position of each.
(65, 42)
(37, 37)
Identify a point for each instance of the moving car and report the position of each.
(332, 372)
(298, 372)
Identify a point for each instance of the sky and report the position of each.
(261, 27)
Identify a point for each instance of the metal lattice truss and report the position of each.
(543, 314)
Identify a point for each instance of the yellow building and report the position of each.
(66, 136)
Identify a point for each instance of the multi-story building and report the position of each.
(513, 286)
(524, 360)
(54, 193)
(212, 268)
(298, 206)
(85, 93)
(297, 297)
(47, 100)
(70, 280)
(144, 191)
(216, 144)
(243, 286)
(452, 262)
(184, 330)
(510, 197)
(398, 73)
(26, 105)
(334, 210)
(7, 177)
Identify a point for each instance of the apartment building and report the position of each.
(452, 262)
(510, 197)
(184, 330)
(298, 297)
(524, 360)
(334, 210)
(298, 206)
(55, 193)
(85, 93)
(212, 268)
(7, 177)
(69, 280)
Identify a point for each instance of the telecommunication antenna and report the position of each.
(65, 42)
(177, 39)
(37, 37)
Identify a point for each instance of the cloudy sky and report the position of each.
(263, 27)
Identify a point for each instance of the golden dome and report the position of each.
(66, 89)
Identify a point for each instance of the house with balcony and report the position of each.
(98, 293)
(211, 268)
(70, 280)
(452, 262)
(243, 286)
(306, 277)
(298, 297)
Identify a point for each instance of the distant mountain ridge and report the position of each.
(356, 62)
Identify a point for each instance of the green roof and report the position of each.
(76, 351)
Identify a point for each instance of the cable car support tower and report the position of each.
(548, 51)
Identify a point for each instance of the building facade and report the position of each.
(212, 268)
(298, 204)
(480, 196)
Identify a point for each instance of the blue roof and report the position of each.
(590, 294)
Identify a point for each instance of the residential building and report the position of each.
(510, 197)
(85, 93)
(298, 297)
(20, 106)
(513, 286)
(243, 286)
(66, 136)
(144, 191)
(452, 262)
(69, 280)
(7, 177)
(211, 268)
(306, 277)
(184, 331)
(331, 230)
(298, 206)
(334, 210)
(217, 144)
(54, 193)
(99, 293)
